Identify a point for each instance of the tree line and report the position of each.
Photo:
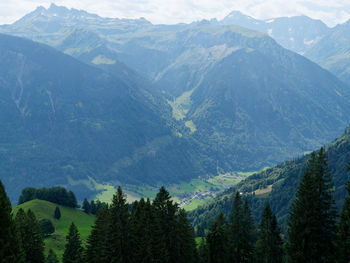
(93, 207)
(58, 195)
(159, 231)
(313, 235)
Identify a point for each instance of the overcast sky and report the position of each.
(175, 11)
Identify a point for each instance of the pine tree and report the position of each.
(73, 252)
(311, 226)
(57, 213)
(343, 233)
(51, 257)
(186, 239)
(218, 242)
(46, 226)
(166, 212)
(97, 241)
(93, 207)
(119, 230)
(10, 245)
(86, 206)
(31, 236)
(269, 245)
(248, 238)
(143, 236)
(242, 232)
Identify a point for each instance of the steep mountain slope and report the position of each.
(64, 121)
(230, 99)
(278, 185)
(252, 102)
(333, 52)
(45, 210)
(298, 33)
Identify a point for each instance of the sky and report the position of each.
(331, 12)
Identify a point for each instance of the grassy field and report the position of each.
(56, 242)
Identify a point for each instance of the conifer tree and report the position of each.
(46, 226)
(93, 207)
(248, 238)
(73, 252)
(97, 241)
(86, 206)
(31, 236)
(187, 242)
(269, 245)
(166, 212)
(311, 226)
(10, 245)
(119, 236)
(242, 232)
(218, 242)
(51, 257)
(343, 233)
(57, 213)
(146, 234)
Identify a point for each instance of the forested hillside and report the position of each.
(278, 186)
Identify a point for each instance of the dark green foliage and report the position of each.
(269, 247)
(343, 233)
(93, 207)
(51, 257)
(57, 213)
(46, 227)
(203, 252)
(31, 236)
(148, 239)
(119, 236)
(157, 232)
(218, 242)
(73, 252)
(10, 243)
(185, 235)
(57, 195)
(241, 232)
(166, 211)
(311, 232)
(86, 206)
(97, 246)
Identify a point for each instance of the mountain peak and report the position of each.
(54, 7)
(235, 14)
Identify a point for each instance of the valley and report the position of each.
(145, 105)
(220, 140)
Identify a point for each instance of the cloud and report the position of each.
(176, 11)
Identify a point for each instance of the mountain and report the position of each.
(333, 52)
(297, 33)
(45, 210)
(203, 99)
(278, 185)
(64, 122)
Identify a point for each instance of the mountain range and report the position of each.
(65, 121)
(328, 47)
(123, 101)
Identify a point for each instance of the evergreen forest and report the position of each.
(159, 230)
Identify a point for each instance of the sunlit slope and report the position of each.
(45, 210)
